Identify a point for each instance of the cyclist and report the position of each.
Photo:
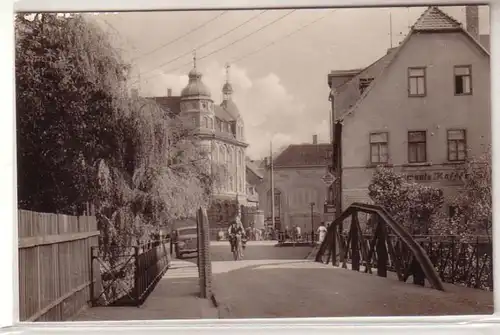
(235, 230)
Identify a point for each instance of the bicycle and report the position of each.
(237, 250)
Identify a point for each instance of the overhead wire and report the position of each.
(225, 46)
(280, 39)
(181, 36)
(207, 42)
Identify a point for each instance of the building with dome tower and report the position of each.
(220, 129)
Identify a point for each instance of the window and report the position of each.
(416, 82)
(206, 122)
(210, 123)
(222, 155)
(364, 83)
(379, 147)
(456, 145)
(463, 83)
(193, 120)
(417, 146)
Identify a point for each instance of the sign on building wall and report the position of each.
(434, 176)
(328, 179)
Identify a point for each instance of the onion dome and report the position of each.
(195, 87)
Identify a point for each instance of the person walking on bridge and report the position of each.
(321, 232)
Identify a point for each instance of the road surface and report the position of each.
(220, 251)
(309, 289)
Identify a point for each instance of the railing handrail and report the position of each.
(417, 250)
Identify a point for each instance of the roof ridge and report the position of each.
(398, 50)
(434, 18)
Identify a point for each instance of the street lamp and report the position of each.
(312, 221)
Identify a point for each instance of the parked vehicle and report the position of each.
(185, 241)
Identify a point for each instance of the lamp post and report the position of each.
(312, 221)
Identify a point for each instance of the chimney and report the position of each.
(315, 139)
(472, 20)
(169, 92)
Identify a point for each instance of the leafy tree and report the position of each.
(388, 189)
(70, 85)
(416, 206)
(473, 214)
(83, 139)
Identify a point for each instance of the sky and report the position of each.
(279, 59)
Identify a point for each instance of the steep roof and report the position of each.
(171, 105)
(231, 109)
(222, 114)
(254, 169)
(431, 20)
(352, 85)
(304, 155)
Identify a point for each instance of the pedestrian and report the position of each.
(298, 233)
(220, 235)
(258, 234)
(321, 232)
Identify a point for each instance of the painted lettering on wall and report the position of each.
(451, 176)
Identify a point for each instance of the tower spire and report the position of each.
(228, 66)
(194, 58)
(227, 89)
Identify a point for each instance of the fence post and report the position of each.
(382, 256)
(333, 250)
(355, 241)
(92, 303)
(136, 276)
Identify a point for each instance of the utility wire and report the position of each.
(232, 43)
(180, 37)
(206, 43)
(281, 39)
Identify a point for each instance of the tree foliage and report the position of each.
(416, 206)
(473, 214)
(83, 139)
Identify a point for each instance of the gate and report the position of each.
(132, 275)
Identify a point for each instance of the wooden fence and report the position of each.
(54, 264)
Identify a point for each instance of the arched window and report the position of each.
(210, 123)
(229, 156)
(222, 155)
(205, 119)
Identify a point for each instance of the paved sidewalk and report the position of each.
(309, 289)
(175, 297)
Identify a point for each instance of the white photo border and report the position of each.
(9, 311)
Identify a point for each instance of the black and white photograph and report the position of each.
(243, 164)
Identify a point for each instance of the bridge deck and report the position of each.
(279, 282)
(309, 289)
